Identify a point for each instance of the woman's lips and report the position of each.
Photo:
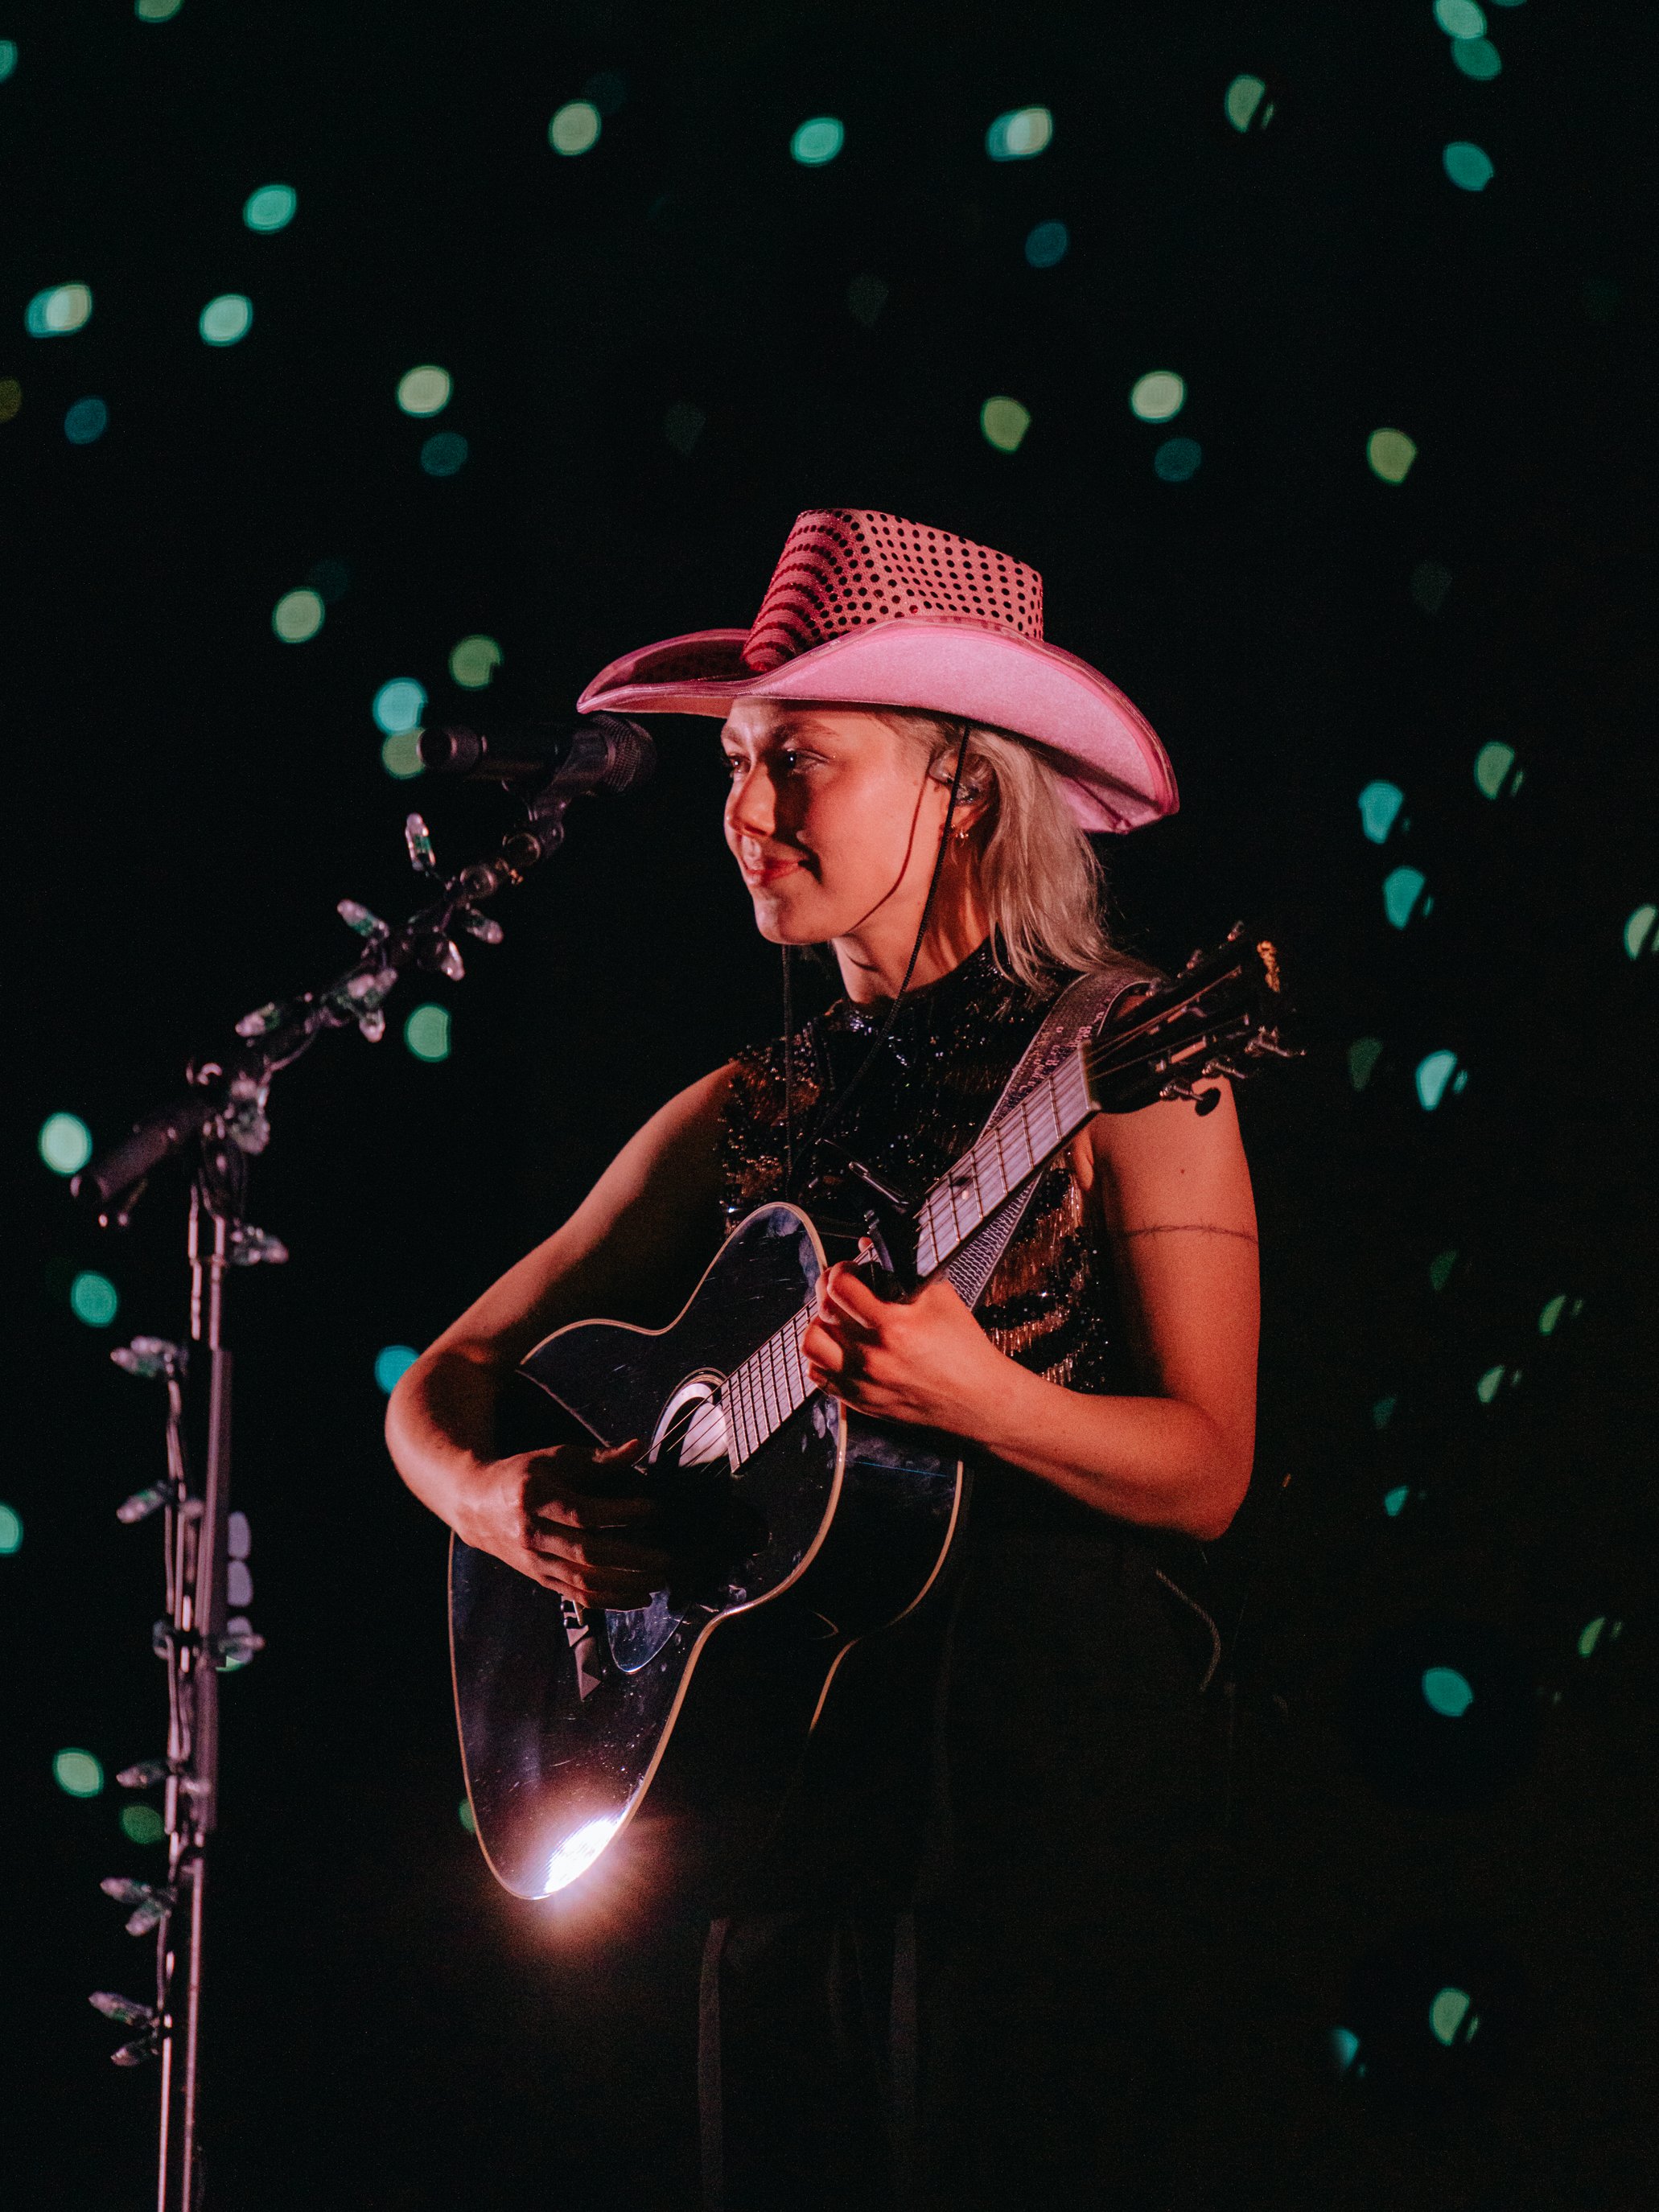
(758, 873)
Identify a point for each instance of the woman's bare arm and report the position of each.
(1175, 1193)
(638, 1235)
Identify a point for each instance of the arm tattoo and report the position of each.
(1190, 1229)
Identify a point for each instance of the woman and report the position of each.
(952, 1981)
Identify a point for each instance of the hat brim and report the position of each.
(1115, 773)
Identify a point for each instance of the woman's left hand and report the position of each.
(926, 1360)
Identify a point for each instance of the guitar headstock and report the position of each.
(1218, 1016)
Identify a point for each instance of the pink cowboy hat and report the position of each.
(870, 610)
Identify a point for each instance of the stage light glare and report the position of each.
(296, 616)
(1460, 19)
(227, 320)
(576, 127)
(86, 421)
(1379, 807)
(1158, 396)
(11, 397)
(1005, 423)
(399, 705)
(578, 1852)
(392, 1365)
(64, 1143)
(11, 1531)
(445, 455)
(474, 661)
(1492, 765)
(78, 1774)
(93, 1299)
(400, 755)
(1434, 1072)
(7, 57)
(1176, 459)
(1020, 135)
(1640, 936)
(1469, 166)
(142, 1824)
(817, 140)
(156, 11)
(1401, 889)
(1390, 453)
(271, 208)
(1451, 2018)
(1477, 57)
(424, 390)
(426, 1032)
(1448, 1691)
(1244, 106)
(1046, 244)
(55, 312)
(1363, 1056)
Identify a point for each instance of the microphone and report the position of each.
(603, 753)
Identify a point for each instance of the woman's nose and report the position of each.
(751, 811)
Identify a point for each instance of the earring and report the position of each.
(959, 837)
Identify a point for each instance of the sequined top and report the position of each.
(1051, 1303)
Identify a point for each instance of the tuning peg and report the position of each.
(253, 1248)
(439, 954)
(360, 919)
(487, 931)
(418, 840)
(238, 1644)
(136, 2052)
(151, 1903)
(369, 988)
(373, 1025)
(142, 1773)
(126, 2012)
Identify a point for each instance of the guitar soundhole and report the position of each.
(703, 1522)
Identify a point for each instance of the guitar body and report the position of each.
(574, 1723)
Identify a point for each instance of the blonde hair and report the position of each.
(1035, 869)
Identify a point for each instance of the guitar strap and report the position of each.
(1078, 1012)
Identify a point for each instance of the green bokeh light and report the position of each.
(272, 207)
(1460, 19)
(392, 1364)
(93, 1299)
(574, 128)
(425, 390)
(400, 755)
(1448, 1691)
(1551, 1314)
(11, 1531)
(1450, 2017)
(1393, 1500)
(1158, 396)
(425, 1032)
(86, 421)
(64, 1143)
(7, 57)
(464, 1813)
(1469, 166)
(142, 1824)
(1243, 103)
(474, 661)
(1590, 1635)
(399, 705)
(1020, 135)
(1477, 57)
(297, 616)
(1434, 1072)
(1176, 460)
(444, 455)
(55, 313)
(1379, 806)
(1363, 1056)
(78, 1774)
(1440, 1268)
(1390, 453)
(1490, 1384)
(1401, 889)
(1005, 423)
(816, 140)
(227, 320)
(1640, 935)
(1492, 765)
(1046, 244)
(156, 11)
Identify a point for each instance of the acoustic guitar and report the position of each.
(810, 1525)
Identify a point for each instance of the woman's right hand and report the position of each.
(550, 1514)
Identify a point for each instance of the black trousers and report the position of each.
(971, 1973)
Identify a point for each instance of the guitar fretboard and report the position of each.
(771, 1384)
(1010, 1151)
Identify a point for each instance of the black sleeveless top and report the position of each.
(1052, 1303)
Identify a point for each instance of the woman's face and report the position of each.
(833, 819)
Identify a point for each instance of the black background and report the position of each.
(188, 796)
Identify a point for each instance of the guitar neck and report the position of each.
(1008, 1154)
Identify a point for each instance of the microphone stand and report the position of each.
(224, 1119)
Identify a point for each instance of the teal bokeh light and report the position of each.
(93, 1299)
(273, 207)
